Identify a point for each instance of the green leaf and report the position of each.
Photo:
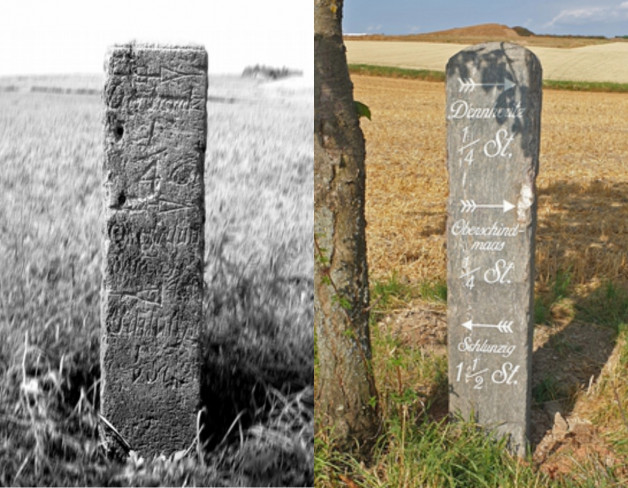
(363, 110)
(346, 304)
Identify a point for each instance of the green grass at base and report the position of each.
(414, 448)
(392, 72)
(427, 454)
(430, 75)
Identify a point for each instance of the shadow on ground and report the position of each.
(582, 244)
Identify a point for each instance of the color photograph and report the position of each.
(471, 279)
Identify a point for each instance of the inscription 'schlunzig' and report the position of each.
(493, 127)
(155, 136)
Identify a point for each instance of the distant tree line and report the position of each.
(261, 71)
(522, 31)
(65, 91)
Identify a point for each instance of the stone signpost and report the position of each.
(155, 137)
(493, 132)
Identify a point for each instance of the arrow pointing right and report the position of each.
(468, 85)
(471, 206)
(507, 206)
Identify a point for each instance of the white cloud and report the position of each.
(583, 15)
(578, 15)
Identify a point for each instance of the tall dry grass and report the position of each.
(258, 332)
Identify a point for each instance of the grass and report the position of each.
(580, 345)
(415, 448)
(419, 446)
(588, 86)
(547, 390)
(607, 305)
(392, 72)
(394, 292)
(434, 291)
(430, 75)
(387, 293)
(553, 300)
(257, 340)
(426, 454)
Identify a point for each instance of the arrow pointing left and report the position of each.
(503, 326)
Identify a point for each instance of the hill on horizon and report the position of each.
(480, 30)
(492, 32)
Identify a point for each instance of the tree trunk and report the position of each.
(346, 399)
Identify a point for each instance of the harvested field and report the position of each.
(579, 391)
(582, 184)
(601, 63)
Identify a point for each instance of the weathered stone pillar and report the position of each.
(155, 137)
(493, 132)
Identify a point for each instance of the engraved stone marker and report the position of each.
(493, 132)
(155, 137)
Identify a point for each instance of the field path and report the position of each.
(603, 62)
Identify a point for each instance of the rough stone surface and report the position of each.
(155, 137)
(493, 133)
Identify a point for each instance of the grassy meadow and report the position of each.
(257, 345)
(580, 391)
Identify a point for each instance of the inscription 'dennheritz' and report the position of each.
(462, 109)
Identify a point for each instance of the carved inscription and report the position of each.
(155, 136)
(493, 122)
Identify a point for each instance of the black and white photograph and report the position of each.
(156, 243)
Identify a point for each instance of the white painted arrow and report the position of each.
(503, 326)
(471, 206)
(468, 85)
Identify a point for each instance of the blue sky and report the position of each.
(72, 36)
(578, 17)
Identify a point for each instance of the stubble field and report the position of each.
(257, 338)
(581, 286)
(599, 62)
(582, 182)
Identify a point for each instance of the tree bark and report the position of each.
(346, 398)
